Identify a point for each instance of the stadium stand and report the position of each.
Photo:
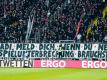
(53, 20)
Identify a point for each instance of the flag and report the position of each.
(29, 27)
(29, 23)
(95, 22)
(78, 27)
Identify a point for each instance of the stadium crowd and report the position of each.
(54, 20)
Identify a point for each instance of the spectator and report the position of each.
(54, 20)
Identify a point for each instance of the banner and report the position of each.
(58, 55)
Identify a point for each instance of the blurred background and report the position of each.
(48, 21)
